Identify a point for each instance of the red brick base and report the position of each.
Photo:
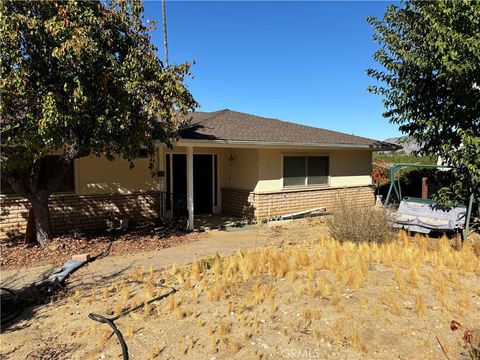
(262, 206)
(268, 205)
(91, 212)
(81, 212)
(237, 202)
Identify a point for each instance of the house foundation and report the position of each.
(81, 212)
(93, 212)
(262, 206)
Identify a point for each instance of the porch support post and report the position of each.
(190, 186)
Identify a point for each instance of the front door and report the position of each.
(179, 170)
(204, 181)
(203, 184)
(175, 198)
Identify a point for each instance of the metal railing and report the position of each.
(173, 207)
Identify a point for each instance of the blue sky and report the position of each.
(298, 61)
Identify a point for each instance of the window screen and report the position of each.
(317, 170)
(305, 170)
(294, 170)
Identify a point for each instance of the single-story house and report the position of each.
(224, 162)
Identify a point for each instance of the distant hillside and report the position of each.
(409, 145)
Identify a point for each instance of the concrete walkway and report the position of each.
(108, 268)
(218, 242)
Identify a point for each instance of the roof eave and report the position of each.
(274, 144)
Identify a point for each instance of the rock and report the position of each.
(81, 257)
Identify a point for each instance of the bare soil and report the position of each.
(15, 254)
(303, 296)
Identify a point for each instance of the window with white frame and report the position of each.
(305, 170)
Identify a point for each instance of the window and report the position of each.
(66, 185)
(143, 154)
(305, 170)
(317, 170)
(294, 170)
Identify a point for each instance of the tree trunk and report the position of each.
(42, 182)
(30, 236)
(41, 215)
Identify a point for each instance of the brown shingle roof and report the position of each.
(228, 125)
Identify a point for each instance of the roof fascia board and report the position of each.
(272, 145)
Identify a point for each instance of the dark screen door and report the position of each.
(179, 169)
(203, 184)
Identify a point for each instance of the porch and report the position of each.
(219, 222)
(257, 183)
(173, 210)
(198, 184)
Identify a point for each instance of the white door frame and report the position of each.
(216, 208)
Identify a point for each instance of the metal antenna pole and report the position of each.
(165, 42)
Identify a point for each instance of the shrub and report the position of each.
(360, 224)
(380, 173)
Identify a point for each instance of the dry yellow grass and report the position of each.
(235, 346)
(362, 298)
(118, 308)
(106, 293)
(126, 293)
(420, 306)
(93, 295)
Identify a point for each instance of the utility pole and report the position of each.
(165, 42)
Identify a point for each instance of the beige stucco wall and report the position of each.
(97, 175)
(351, 168)
(241, 173)
(258, 170)
(222, 156)
(347, 168)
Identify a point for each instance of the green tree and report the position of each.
(430, 82)
(80, 78)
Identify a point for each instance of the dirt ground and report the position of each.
(301, 295)
(15, 254)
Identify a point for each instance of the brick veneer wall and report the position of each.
(267, 205)
(264, 205)
(237, 202)
(90, 212)
(81, 212)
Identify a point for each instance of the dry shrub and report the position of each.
(360, 224)
(476, 248)
(471, 341)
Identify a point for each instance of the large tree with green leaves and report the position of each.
(430, 81)
(80, 78)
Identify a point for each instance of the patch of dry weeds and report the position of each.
(326, 299)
